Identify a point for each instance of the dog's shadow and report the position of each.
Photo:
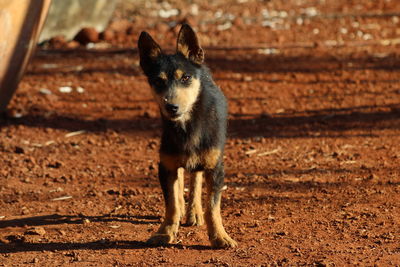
(15, 244)
(55, 219)
(16, 247)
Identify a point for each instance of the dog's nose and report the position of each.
(172, 108)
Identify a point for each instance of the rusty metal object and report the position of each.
(20, 25)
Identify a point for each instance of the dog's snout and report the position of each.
(172, 108)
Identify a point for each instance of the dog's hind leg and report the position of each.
(216, 231)
(171, 189)
(195, 211)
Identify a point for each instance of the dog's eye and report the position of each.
(186, 78)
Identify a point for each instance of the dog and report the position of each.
(194, 120)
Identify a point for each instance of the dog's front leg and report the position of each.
(216, 231)
(171, 187)
(195, 210)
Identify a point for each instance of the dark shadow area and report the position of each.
(244, 59)
(313, 188)
(273, 183)
(55, 219)
(271, 178)
(309, 62)
(96, 245)
(310, 124)
(316, 124)
(16, 244)
(72, 123)
(277, 186)
(83, 61)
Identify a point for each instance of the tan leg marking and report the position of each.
(216, 231)
(181, 181)
(169, 228)
(195, 211)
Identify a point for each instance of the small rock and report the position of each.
(65, 89)
(45, 91)
(57, 41)
(36, 231)
(19, 150)
(72, 44)
(107, 35)
(80, 90)
(87, 35)
(62, 232)
(281, 233)
(55, 165)
(152, 145)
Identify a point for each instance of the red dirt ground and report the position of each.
(312, 158)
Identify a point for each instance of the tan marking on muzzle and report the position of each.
(185, 97)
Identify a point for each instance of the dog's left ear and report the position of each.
(188, 45)
(149, 51)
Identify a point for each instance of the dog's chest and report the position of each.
(189, 150)
(205, 159)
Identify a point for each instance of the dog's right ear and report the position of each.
(149, 51)
(188, 45)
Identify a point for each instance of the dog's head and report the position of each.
(175, 79)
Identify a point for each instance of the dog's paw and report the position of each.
(195, 219)
(223, 241)
(160, 239)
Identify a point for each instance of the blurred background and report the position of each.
(233, 23)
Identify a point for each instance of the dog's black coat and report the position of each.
(199, 138)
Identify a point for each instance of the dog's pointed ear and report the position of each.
(188, 45)
(149, 51)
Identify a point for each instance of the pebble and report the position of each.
(57, 41)
(72, 44)
(87, 35)
(45, 91)
(19, 150)
(36, 231)
(65, 89)
(107, 35)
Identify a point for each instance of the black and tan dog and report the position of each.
(194, 117)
